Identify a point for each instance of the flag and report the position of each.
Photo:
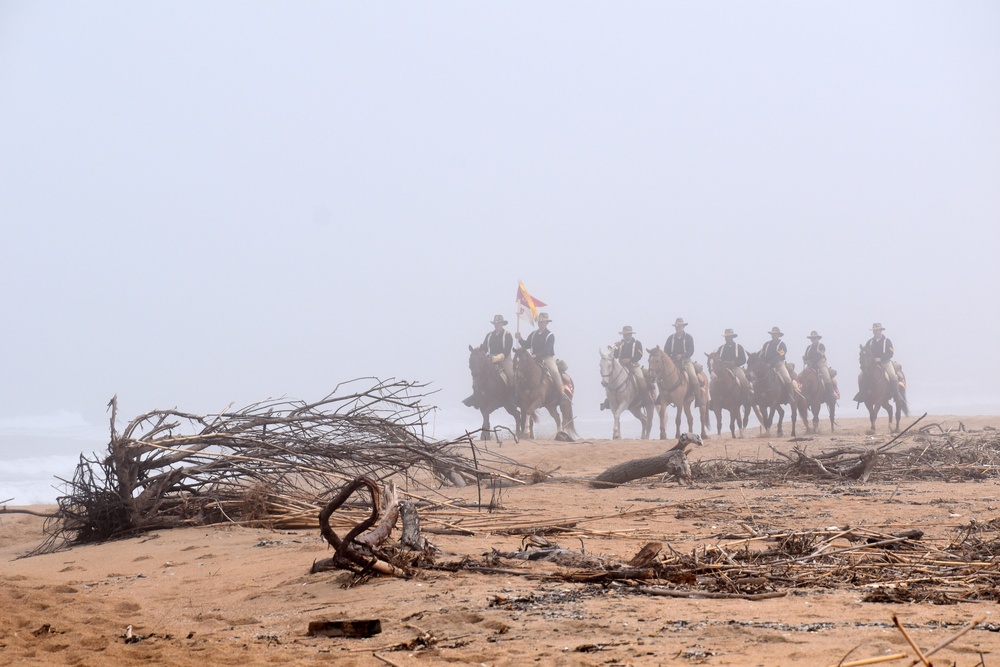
(526, 305)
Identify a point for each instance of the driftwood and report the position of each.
(673, 462)
(412, 537)
(356, 552)
(271, 463)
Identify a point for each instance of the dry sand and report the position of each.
(227, 595)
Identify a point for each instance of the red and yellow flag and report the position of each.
(526, 305)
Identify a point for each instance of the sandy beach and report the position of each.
(228, 595)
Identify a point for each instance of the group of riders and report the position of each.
(680, 348)
(541, 343)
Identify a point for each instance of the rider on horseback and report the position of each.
(734, 357)
(497, 345)
(815, 357)
(629, 351)
(881, 350)
(541, 343)
(680, 347)
(773, 353)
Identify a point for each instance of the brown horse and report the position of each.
(672, 384)
(533, 389)
(489, 391)
(727, 394)
(816, 396)
(876, 391)
(769, 394)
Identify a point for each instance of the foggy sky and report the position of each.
(208, 203)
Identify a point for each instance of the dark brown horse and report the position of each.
(672, 385)
(489, 391)
(816, 396)
(876, 390)
(533, 389)
(769, 394)
(727, 394)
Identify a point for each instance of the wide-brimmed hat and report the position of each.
(544, 317)
(625, 330)
(679, 322)
(813, 334)
(499, 320)
(775, 331)
(730, 332)
(878, 327)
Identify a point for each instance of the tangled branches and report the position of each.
(269, 460)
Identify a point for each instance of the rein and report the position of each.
(615, 380)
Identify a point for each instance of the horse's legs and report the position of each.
(485, 431)
(832, 408)
(781, 420)
(555, 416)
(661, 410)
(640, 414)
(617, 434)
(686, 408)
(516, 414)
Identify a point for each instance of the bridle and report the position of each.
(612, 379)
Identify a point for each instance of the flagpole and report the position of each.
(517, 315)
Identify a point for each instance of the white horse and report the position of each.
(623, 394)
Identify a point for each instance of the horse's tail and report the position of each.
(902, 404)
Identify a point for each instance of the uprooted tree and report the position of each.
(266, 462)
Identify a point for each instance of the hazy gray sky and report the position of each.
(215, 202)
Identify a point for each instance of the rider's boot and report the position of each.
(471, 401)
(606, 405)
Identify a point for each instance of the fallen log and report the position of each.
(672, 462)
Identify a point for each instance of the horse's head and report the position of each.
(753, 365)
(659, 362)
(713, 362)
(866, 359)
(607, 365)
(478, 359)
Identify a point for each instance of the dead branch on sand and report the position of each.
(271, 463)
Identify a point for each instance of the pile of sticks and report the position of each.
(936, 455)
(270, 463)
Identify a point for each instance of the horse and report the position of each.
(533, 389)
(489, 391)
(769, 393)
(876, 392)
(672, 383)
(727, 394)
(624, 394)
(816, 396)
